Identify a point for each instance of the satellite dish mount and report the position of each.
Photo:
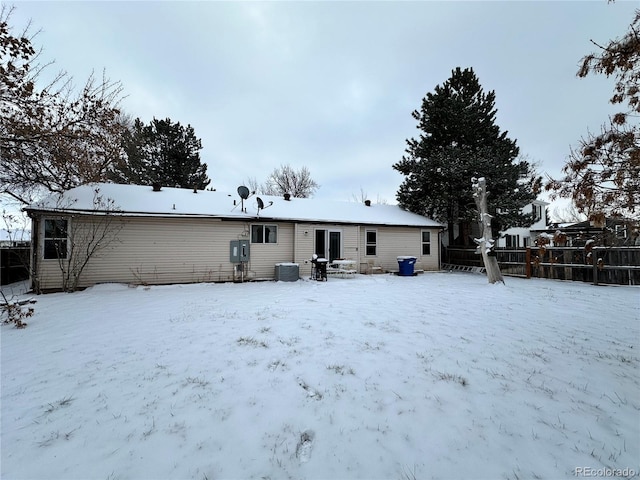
(244, 194)
(261, 205)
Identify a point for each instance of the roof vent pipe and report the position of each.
(287, 196)
(156, 187)
(367, 203)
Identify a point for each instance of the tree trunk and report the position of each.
(486, 243)
(452, 238)
(465, 233)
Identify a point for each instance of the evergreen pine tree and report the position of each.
(460, 140)
(162, 152)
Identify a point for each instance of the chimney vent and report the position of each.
(367, 203)
(157, 187)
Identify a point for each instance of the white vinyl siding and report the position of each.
(264, 256)
(158, 250)
(402, 241)
(173, 250)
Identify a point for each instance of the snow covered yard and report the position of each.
(435, 376)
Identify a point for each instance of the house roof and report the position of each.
(137, 200)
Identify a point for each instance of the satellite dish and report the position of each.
(260, 203)
(243, 192)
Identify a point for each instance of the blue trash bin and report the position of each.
(405, 266)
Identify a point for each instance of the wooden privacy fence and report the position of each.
(597, 265)
(14, 264)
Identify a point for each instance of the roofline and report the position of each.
(118, 213)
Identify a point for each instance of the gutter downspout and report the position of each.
(440, 231)
(33, 268)
(295, 242)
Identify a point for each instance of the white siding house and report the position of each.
(170, 235)
(519, 237)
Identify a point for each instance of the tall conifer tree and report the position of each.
(460, 140)
(162, 152)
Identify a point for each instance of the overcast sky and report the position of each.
(331, 85)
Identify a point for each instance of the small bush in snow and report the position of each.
(16, 312)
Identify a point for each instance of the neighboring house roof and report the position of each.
(587, 225)
(18, 235)
(137, 200)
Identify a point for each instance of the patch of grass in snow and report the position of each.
(289, 342)
(450, 377)
(196, 381)
(620, 401)
(56, 436)
(275, 364)
(341, 369)
(368, 346)
(65, 402)
(620, 358)
(539, 353)
(425, 357)
(252, 342)
(152, 428)
(540, 386)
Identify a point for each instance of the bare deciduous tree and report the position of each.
(602, 175)
(253, 185)
(87, 239)
(568, 214)
(75, 238)
(51, 138)
(364, 196)
(285, 179)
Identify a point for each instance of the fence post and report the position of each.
(566, 259)
(527, 262)
(594, 258)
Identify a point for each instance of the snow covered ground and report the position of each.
(378, 377)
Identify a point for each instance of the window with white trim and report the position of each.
(371, 245)
(426, 242)
(538, 212)
(512, 241)
(621, 231)
(264, 234)
(55, 238)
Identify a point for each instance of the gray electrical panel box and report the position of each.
(239, 251)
